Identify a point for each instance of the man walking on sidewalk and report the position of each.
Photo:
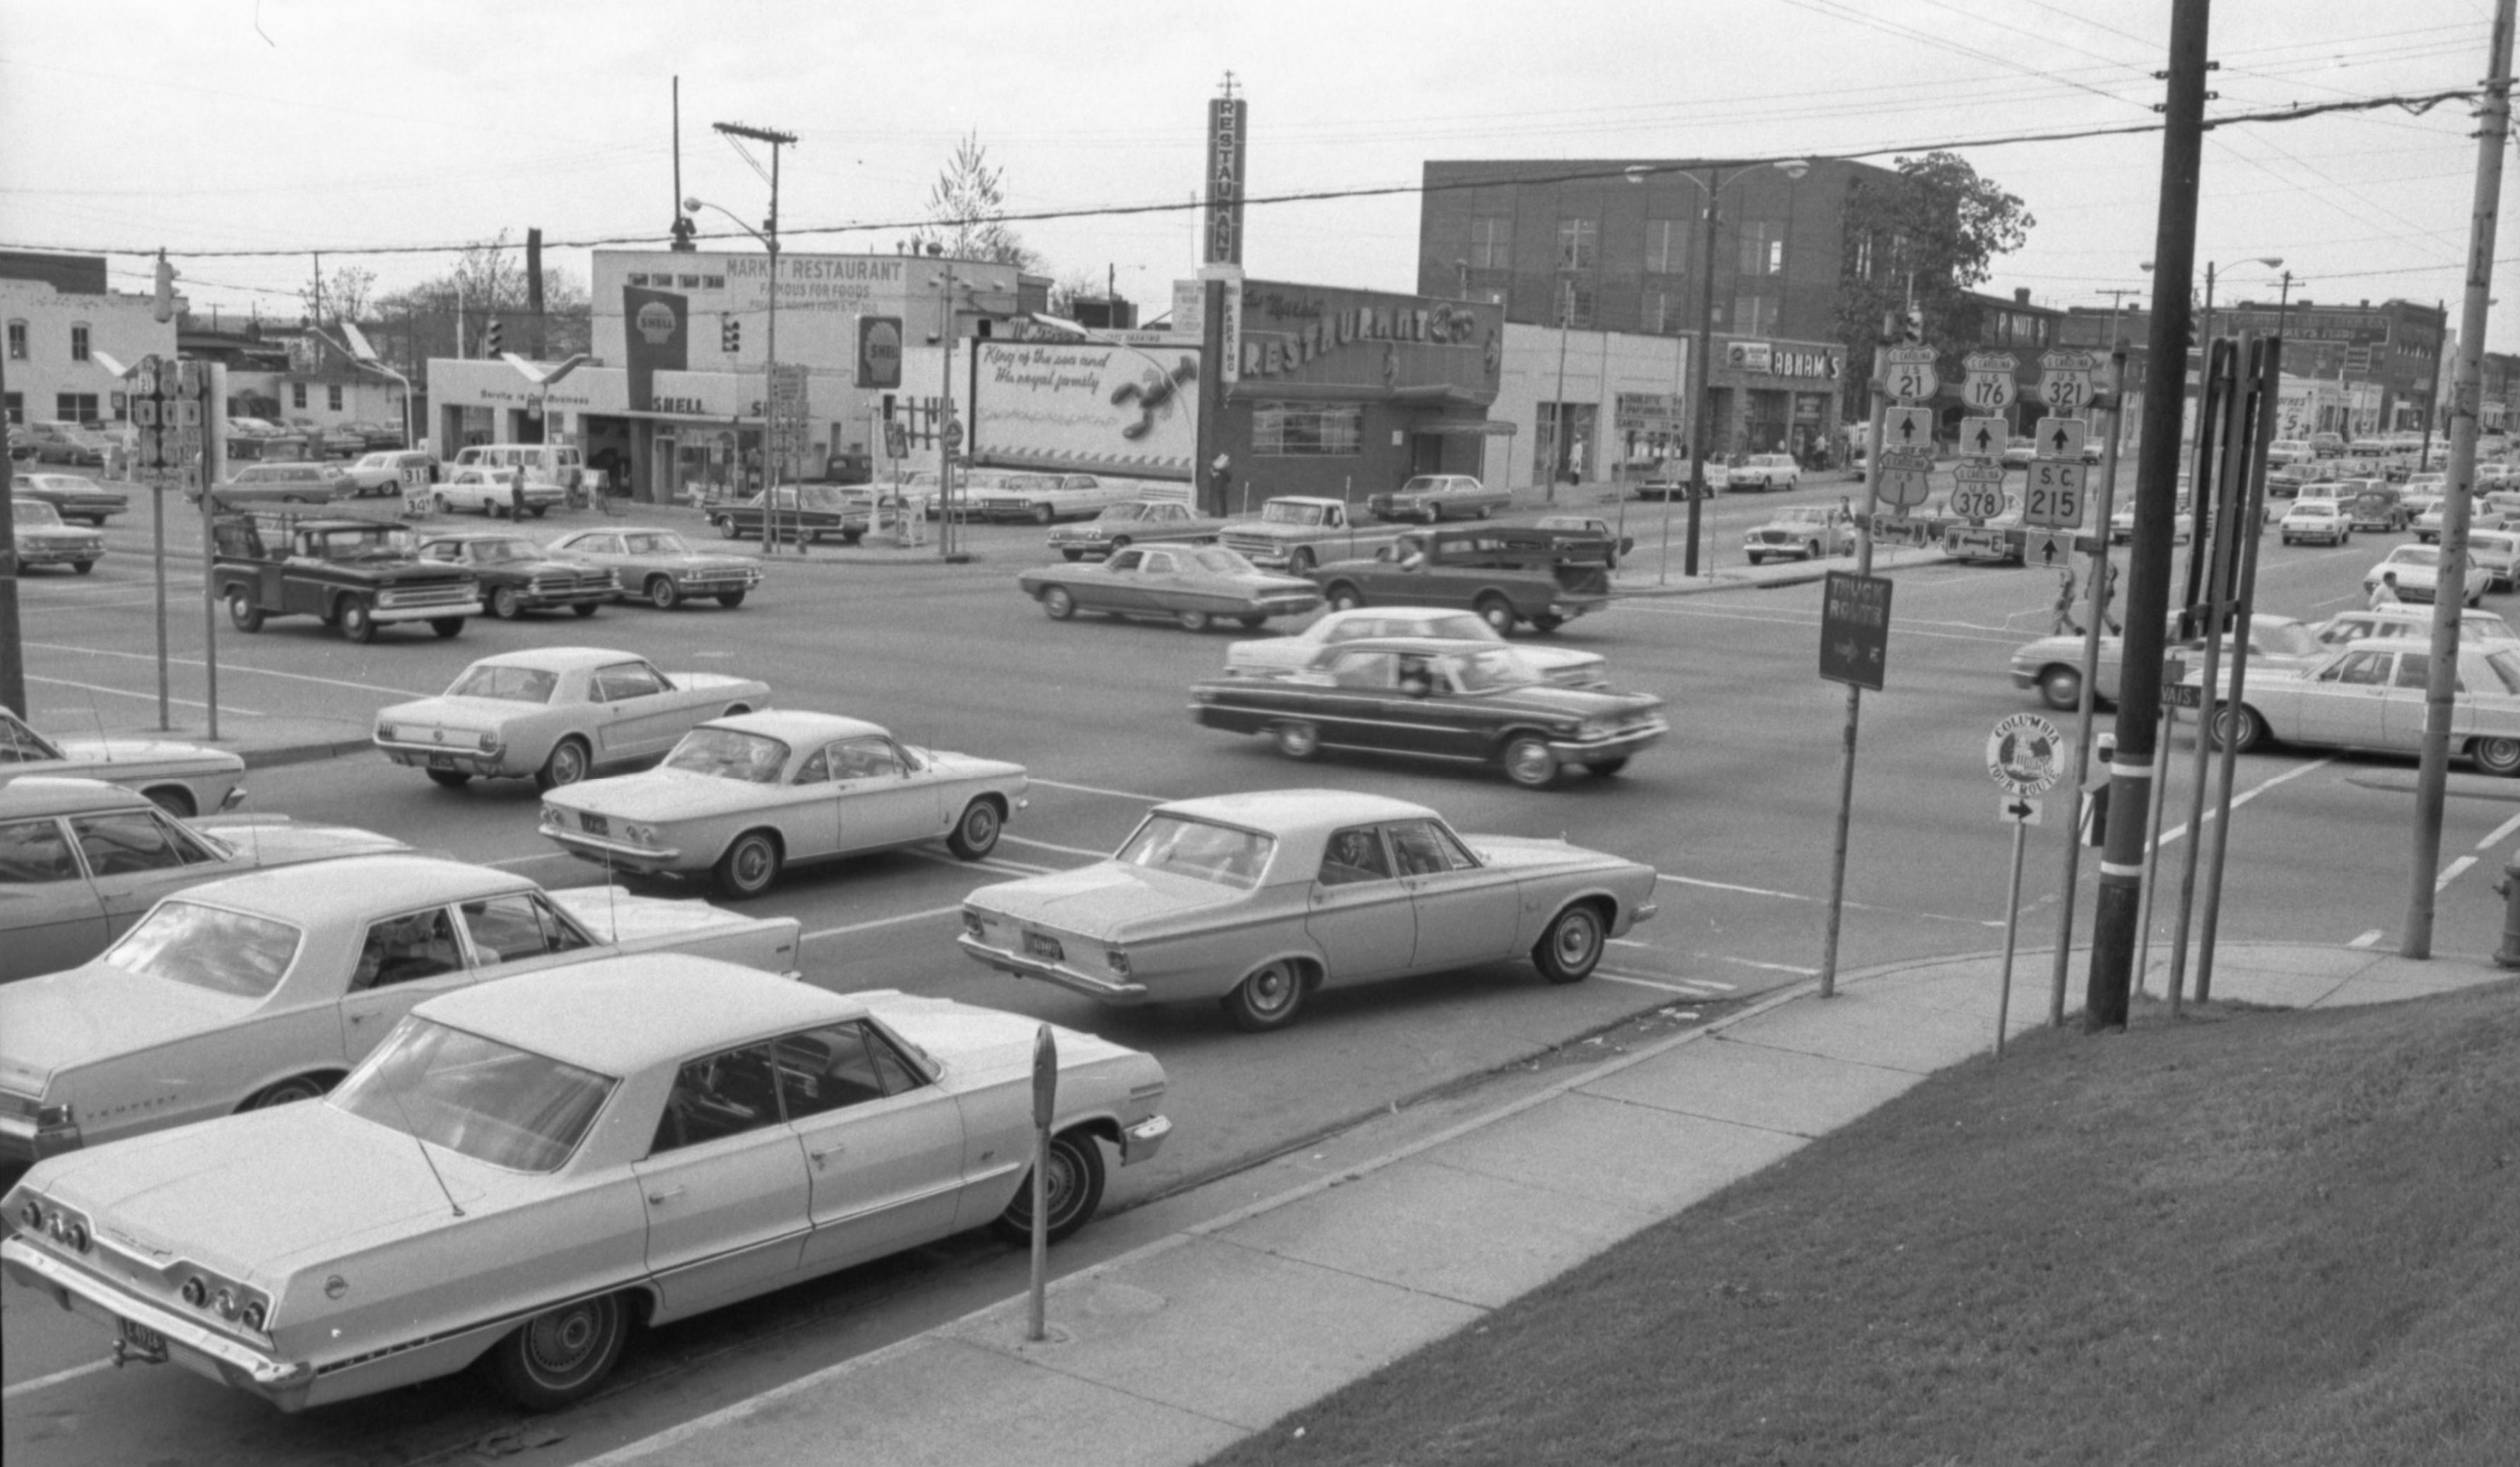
(2063, 626)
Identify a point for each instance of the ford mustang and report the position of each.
(555, 715)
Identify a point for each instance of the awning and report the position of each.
(1462, 428)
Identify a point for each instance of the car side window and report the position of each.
(1371, 670)
(2363, 669)
(1350, 630)
(722, 1096)
(121, 842)
(1355, 855)
(1159, 563)
(403, 948)
(628, 679)
(839, 1065)
(866, 757)
(815, 770)
(33, 853)
(1127, 559)
(2413, 672)
(520, 925)
(1424, 848)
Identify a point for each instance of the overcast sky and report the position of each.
(354, 127)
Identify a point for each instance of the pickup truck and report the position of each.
(1507, 574)
(355, 574)
(1295, 534)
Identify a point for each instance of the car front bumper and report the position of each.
(1074, 980)
(1618, 744)
(37, 553)
(605, 851)
(1141, 1142)
(202, 1351)
(387, 615)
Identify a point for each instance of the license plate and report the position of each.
(141, 1338)
(1039, 946)
(595, 825)
(441, 761)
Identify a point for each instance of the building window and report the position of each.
(16, 340)
(75, 406)
(635, 280)
(297, 394)
(1763, 248)
(15, 404)
(332, 396)
(1578, 243)
(1863, 257)
(78, 344)
(1754, 315)
(1574, 303)
(1666, 246)
(1308, 430)
(691, 281)
(713, 281)
(1492, 243)
(1666, 313)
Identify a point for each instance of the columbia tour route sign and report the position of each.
(2025, 756)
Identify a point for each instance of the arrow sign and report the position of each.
(1984, 437)
(2063, 437)
(1908, 427)
(2050, 550)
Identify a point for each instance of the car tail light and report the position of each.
(225, 1303)
(32, 1214)
(252, 1315)
(1117, 960)
(196, 1291)
(971, 924)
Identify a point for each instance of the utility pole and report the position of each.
(1558, 452)
(536, 341)
(1699, 389)
(13, 644)
(2148, 560)
(2433, 773)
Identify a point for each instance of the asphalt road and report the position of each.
(1735, 810)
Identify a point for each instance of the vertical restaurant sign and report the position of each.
(656, 329)
(1227, 120)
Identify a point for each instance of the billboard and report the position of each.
(1086, 406)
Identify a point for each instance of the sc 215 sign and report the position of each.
(2053, 494)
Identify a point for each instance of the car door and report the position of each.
(882, 1143)
(2402, 721)
(404, 960)
(884, 797)
(1119, 585)
(1356, 709)
(1168, 583)
(134, 857)
(724, 1184)
(2346, 702)
(50, 917)
(1358, 913)
(643, 718)
(1465, 913)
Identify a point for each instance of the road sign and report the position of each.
(2025, 754)
(952, 434)
(1855, 629)
(1989, 384)
(1904, 487)
(2062, 437)
(2065, 378)
(1910, 374)
(1984, 437)
(2046, 550)
(1977, 501)
(2184, 694)
(1971, 540)
(1899, 529)
(1908, 427)
(2053, 494)
(2021, 809)
(1977, 471)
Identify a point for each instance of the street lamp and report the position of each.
(769, 368)
(947, 284)
(1703, 407)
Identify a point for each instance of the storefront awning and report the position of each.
(1457, 427)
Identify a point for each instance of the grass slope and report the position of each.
(2241, 1238)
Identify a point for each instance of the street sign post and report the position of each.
(2024, 756)
(1984, 437)
(1855, 629)
(2052, 496)
(2065, 378)
(1910, 374)
(2046, 550)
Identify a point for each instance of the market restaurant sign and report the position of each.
(1770, 358)
(1273, 346)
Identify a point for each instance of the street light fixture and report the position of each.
(1701, 389)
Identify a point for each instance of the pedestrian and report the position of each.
(2064, 623)
(2386, 593)
(516, 494)
(2109, 598)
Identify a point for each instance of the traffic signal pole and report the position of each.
(2148, 560)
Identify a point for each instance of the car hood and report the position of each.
(954, 766)
(152, 755)
(1101, 901)
(695, 560)
(1566, 702)
(662, 794)
(60, 1020)
(57, 532)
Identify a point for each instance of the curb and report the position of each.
(301, 754)
(1802, 573)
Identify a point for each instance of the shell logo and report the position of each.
(656, 322)
(883, 345)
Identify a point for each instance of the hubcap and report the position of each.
(558, 1344)
(1271, 988)
(753, 863)
(981, 827)
(1531, 761)
(566, 766)
(1574, 941)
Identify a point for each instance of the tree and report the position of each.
(967, 211)
(488, 279)
(1939, 224)
(342, 297)
(1071, 288)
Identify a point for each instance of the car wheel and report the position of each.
(358, 620)
(561, 1354)
(2062, 687)
(1530, 762)
(1254, 621)
(288, 1092)
(1300, 561)
(1344, 598)
(1496, 612)
(1547, 624)
(1072, 556)
(1192, 621)
(567, 765)
(443, 507)
(446, 626)
(726, 527)
(1297, 739)
(1042, 515)
(174, 799)
(1486, 509)
(1758, 559)
(2498, 756)
(1075, 1176)
(2241, 727)
(1057, 602)
(749, 865)
(82, 568)
(662, 593)
(449, 778)
(243, 614)
(293, 499)
(538, 511)
(730, 600)
(975, 834)
(1571, 947)
(505, 604)
(1608, 767)
(1268, 998)
(1811, 550)
(586, 609)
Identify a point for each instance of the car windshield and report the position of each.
(1278, 511)
(655, 542)
(504, 551)
(491, 1101)
(1222, 562)
(1196, 848)
(209, 947)
(514, 685)
(380, 542)
(822, 499)
(2413, 555)
(1489, 671)
(1423, 484)
(20, 744)
(730, 754)
(1112, 514)
(35, 511)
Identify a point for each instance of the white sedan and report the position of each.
(2370, 695)
(183, 778)
(1273, 656)
(1765, 471)
(492, 492)
(2322, 519)
(2416, 570)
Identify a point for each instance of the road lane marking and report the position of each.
(2450, 872)
(1796, 895)
(1772, 967)
(2499, 832)
(1685, 988)
(1045, 845)
(146, 698)
(993, 863)
(891, 921)
(58, 1377)
(231, 667)
(2246, 795)
(1117, 795)
(2367, 940)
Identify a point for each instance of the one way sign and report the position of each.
(1908, 427)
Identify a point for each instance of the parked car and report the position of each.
(185, 778)
(518, 576)
(354, 574)
(2415, 569)
(1043, 498)
(661, 567)
(1192, 584)
(2053, 665)
(2020, 453)
(80, 859)
(41, 539)
(73, 496)
(2370, 695)
(848, 1127)
(1763, 472)
(1297, 533)
(299, 483)
(744, 798)
(2322, 519)
(1506, 573)
(379, 435)
(1589, 527)
(2328, 445)
(1465, 702)
(1804, 532)
(555, 715)
(1431, 496)
(2372, 505)
(1257, 901)
(491, 493)
(2493, 556)
(2385, 623)
(1137, 521)
(1272, 656)
(812, 513)
(388, 473)
(57, 443)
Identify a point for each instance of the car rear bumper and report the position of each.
(199, 1350)
(1141, 1142)
(1075, 980)
(21, 1139)
(487, 763)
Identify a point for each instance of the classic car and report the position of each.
(2322, 519)
(1134, 521)
(491, 493)
(745, 798)
(379, 435)
(185, 778)
(2415, 570)
(1269, 657)
(1763, 472)
(41, 539)
(518, 576)
(659, 566)
(2370, 695)
(2493, 556)
(2385, 622)
(1257, 900)
(1431, 496)
(281, 484)
(812, 513)
(386, 474)
(2376, 507)
(1806, 532)
(1589, 527)
(2053, 665)
(1043, 498)
(523, 1169)
(2020, 453)
(353, 574)
(1471, 702)
(73, 496)
(81, 860)
(1295, 533)
(57, 443)
(1506, 573)
(555, 715)
(1190, 583)
(265, 988)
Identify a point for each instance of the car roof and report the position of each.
(472, 535)
(560, 658)
(619, 1015)
(356, 883)
(1284, 811)
(622, 529)
(1427, 646)
(799, 727)
(65, 794)
(1303, 498)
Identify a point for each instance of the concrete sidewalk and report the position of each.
(1171, 1352)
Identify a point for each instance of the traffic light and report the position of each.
(165, 307)
(490, 338)
(1911, 326)
(730, 335)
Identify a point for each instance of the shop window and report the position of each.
(16, 340)
(78, 344)
(75, 406)
(1579, 244)
(297, 394)
(636, 280)
(1754, 315)
(332, 396)
(1492, 243)
(713, 281)
(1310, 429)
(1763, 248)
(1574, 303)
(1666, 246)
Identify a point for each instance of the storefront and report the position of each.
(1617, 406)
